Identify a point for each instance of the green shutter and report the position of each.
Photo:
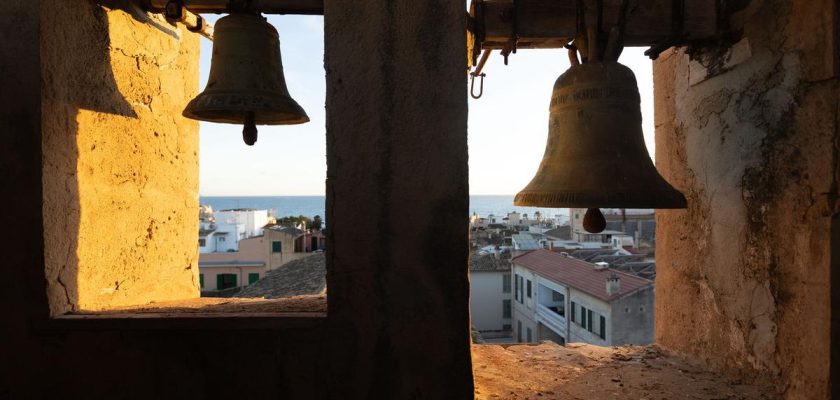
(225, 281)
(505, 308)
(201, 280)
(583, 317)
(573, 311)
(253, 277)
(589, 318)
(603, 332)
(276, 246)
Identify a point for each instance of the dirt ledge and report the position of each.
(579, 371)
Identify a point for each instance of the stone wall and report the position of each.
(120, 163)
(397, 197)
(98, 100)
(748, 133)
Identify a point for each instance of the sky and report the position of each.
(508, 125)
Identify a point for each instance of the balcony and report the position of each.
(550, 317)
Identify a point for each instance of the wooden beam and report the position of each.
(301, 7)
(552, 23)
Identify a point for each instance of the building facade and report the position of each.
(256, 256)
(563, 299)
(490, 294)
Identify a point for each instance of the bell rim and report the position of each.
(240, 117)
(197, 109)
(659, 199)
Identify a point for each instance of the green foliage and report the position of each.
(317, 223)
(292, 220)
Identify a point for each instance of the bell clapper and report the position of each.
(249, 131)
(594, 221)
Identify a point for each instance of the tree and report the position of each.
(316, 223)
(292, 220)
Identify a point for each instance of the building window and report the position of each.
(573, 311)
(506, 327)
(201, 280)
(529, 337)
(603, 331)
(529, 289)
(276, 246)
(253, 277)
(519, 331)
(516, 287)
(583, 317)
(225, 281)
(221, 238)
(505, 283)
(589, 319)
(505, 308)
(557, 296)
(202, 242)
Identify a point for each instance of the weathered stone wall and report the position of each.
(399, 320)
(749, 135)
(397, 198)
(120, 163)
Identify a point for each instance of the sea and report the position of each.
(311, 206)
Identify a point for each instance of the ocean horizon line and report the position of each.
(313, 195)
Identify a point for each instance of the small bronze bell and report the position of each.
(595, 156)
(246, 84)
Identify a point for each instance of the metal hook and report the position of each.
(480, 87)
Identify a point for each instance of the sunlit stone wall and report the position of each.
(120, 163)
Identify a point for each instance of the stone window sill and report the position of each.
(300, 312)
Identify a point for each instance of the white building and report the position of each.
(228, 228)
(490, 294)
(249, 221)
(564, 299)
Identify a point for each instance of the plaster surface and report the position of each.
(120, 187)
(749, 136)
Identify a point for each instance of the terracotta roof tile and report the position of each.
(579, 274)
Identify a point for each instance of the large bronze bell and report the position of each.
(246, 84)
(595, 156)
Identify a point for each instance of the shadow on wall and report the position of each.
(74, 79)
(98, 158)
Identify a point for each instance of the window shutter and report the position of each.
(574, 306)
(603, 328)
(583, 317)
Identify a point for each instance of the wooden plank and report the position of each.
(301, 7)
(552, 23)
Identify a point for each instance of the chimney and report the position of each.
(613, 284)
(600, 266)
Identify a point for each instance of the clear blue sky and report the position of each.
(507, 126)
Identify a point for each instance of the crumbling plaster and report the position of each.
(120, 163)
(749, 136)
